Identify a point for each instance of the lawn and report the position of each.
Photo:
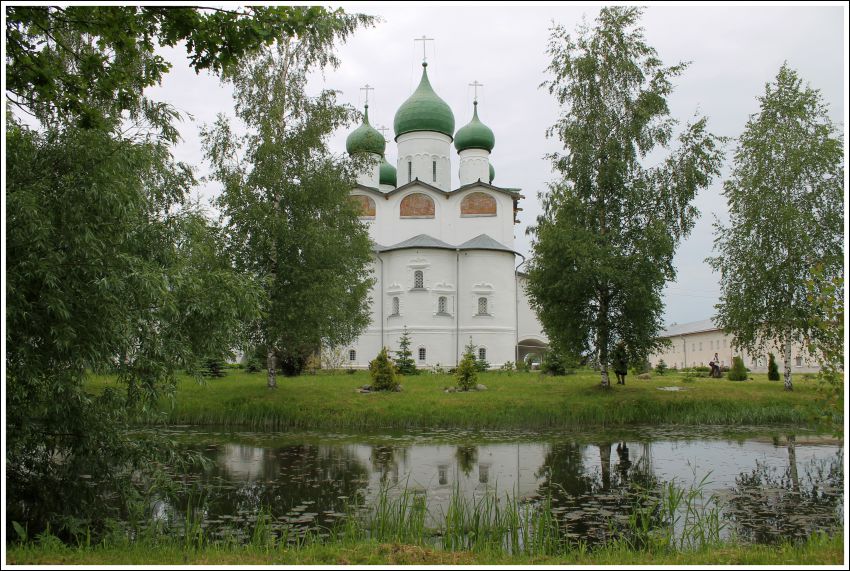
(515, 400)
(816, 551)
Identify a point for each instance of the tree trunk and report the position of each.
(602, 342)
(792, 463)
(605, 462)
(786, 358)
(271, 363)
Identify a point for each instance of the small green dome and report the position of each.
(424, 111)
(365, 138)
(475, 135)
(387, 173)
(492, 173)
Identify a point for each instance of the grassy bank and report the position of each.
(816, 551)
(517, 400)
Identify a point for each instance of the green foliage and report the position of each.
(661, 367)
(109, 267)
(603, 247)
(213, 367)
(467, 373)
(772, 368)
(738, 372)
(556, 363)
(86, 65)
(285, 198)
(826, 343)
(405, 365)
(383, 372)
(786, 218)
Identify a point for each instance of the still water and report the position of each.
(770, 483)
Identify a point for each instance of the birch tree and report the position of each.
(285, 200)
(786, 220)
(603, 247)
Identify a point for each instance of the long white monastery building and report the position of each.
(445, 265)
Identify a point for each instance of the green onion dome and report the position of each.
(387, 173)
(475, 135)
(424, 111)
(365, 138)
(492, 173)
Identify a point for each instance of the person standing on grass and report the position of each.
(621, 363)
(715, 367)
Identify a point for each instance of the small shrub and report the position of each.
(467, 374)
(314, 363)
(253, 365)
(772, 368)
(661, 367)
(738, 372)
(642, 367)
(404, 363)
(383, 372)
(438, 369)
(689, 376)
(557, 364)
(213, 368)
(508, 367)
(522, 366)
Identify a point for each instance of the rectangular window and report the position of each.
(352, 355)
(700, 345)
(799, 361)
(409, 171)
(482, 354)
(422, 353)
(434, 170)
(711, 344)
(693, 346)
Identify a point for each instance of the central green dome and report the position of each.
(386, 173)
(475, 135)
(424, 111)
(365, 138)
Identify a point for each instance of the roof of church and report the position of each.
(424, 111)
(420, 241)
(480, 242)
(475, 135)
(483, 242)
(688, 328)
(365, 138)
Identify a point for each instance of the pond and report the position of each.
(769, 483)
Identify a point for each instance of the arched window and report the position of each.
(482, 354)
(434, 171)
(352, 355)
(478, 204)
(442, 304)
(482, 306)
(409, 171)
(365, 205)
(395, 306)
(422, 353)
(418, 280)
(416, 205)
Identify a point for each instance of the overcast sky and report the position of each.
(734, 51)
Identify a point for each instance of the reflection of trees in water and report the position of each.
(769, 505)
(466, 457)
(385, 461)
(589, 505)
(311, 479)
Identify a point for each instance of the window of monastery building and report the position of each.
(422, 353)
(482, 354)
(409, 171)
(395, 306)
(482, 306)
(417, 205)
(352, 355)
(418, 280)
(478, 204)
(434, 171)
(365, 204)
(442, 304)
(799, 361)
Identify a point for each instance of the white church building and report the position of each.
(444, 260)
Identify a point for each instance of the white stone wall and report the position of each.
(474, 166)
(462, 277)
(698, 349)
(371, 175)
(421, 149)
(388, 227)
